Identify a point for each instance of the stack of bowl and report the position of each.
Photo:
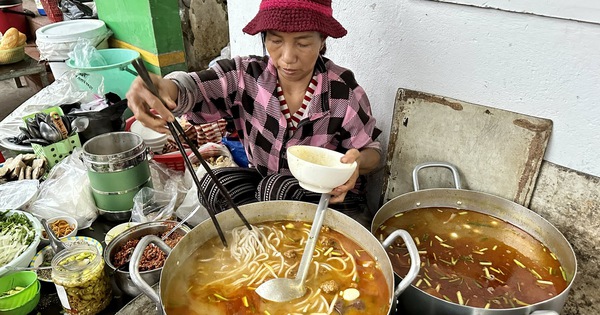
(19, 293)
(153, 140)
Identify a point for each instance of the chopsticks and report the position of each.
(176, 130)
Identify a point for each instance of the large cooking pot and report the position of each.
(416, 301)
(270, 211)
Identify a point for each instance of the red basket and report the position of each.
(52, 10)
(173, 160)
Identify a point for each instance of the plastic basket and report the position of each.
(57, 151)
(13, 55)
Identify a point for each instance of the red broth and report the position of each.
(474, 259)
(213, 282)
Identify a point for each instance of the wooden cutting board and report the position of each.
(496, 151)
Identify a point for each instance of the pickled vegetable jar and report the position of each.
(82, 283)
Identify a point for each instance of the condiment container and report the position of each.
(81, 281)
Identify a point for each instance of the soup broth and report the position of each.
(474, 259)
(342, 279)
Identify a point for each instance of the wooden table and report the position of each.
(27, 66)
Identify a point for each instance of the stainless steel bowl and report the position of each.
(122, 278)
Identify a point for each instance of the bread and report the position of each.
(12, 39)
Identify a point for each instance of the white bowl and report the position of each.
(70, 220)
(318, 169)
(112, 233)
(23, 259)
(147, 134)
(45, 255)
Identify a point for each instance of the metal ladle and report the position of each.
(284, 289)
(55, 243)
(49, 133)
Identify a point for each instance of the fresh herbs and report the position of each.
(16, 234)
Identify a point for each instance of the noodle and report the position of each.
(224, 277)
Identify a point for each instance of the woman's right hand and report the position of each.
(141, 101)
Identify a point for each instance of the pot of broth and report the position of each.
(350, 272)
(480, 254)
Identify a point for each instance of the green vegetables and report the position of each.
(16, 233)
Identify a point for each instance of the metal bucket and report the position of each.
(117, 165)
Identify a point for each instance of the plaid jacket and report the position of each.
(244, 88)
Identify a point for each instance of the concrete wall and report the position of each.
(205, 30)
(530, 64)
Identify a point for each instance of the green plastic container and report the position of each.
(57, 151)
(25, 279)
(116, 76)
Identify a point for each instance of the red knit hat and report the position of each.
(296, 16)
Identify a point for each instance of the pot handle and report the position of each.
(449, 166)
(544, 312)
(415, 260)
(134, 270)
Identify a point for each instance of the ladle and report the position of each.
(124, 267)
(55, 243)
(284, 289)
(49, 133)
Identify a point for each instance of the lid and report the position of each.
(71, 30)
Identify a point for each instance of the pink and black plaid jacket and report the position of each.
(244, 88)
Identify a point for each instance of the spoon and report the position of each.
(27, 268)
(80, 124)
(55, 243)
(49, 133)
(284, 289)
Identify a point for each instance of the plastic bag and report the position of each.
(159, 203)
(237, 151)
(210, 152)
(85, 55)
(67, 191)
(73, 10)
(18, 194)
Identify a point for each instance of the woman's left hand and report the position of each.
(339, 193)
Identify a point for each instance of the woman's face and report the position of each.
(294, 54)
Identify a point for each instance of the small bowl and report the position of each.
(70, 220)
(45, 255)
(148, 135)
(27, 307)
(318, 169)
(24, 279)
(112, 233)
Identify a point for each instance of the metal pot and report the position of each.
(123, 278)
(270, 211)
(415, 301)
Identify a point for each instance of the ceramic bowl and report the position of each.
(318, 169)
(69, 220)
(45, 255)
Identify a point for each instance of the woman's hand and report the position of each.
(140, 100)
(339, 193)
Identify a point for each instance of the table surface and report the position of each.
(50, 304)
(26, 66)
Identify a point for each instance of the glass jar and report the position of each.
(82, 283)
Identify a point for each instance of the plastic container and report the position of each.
(81, 281)
(57, 151)
(116, 76)
(12, 15)
(27, 280)
(55, 41)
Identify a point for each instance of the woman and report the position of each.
(292, 96)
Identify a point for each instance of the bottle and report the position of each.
(81, 281)
(40, 7)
